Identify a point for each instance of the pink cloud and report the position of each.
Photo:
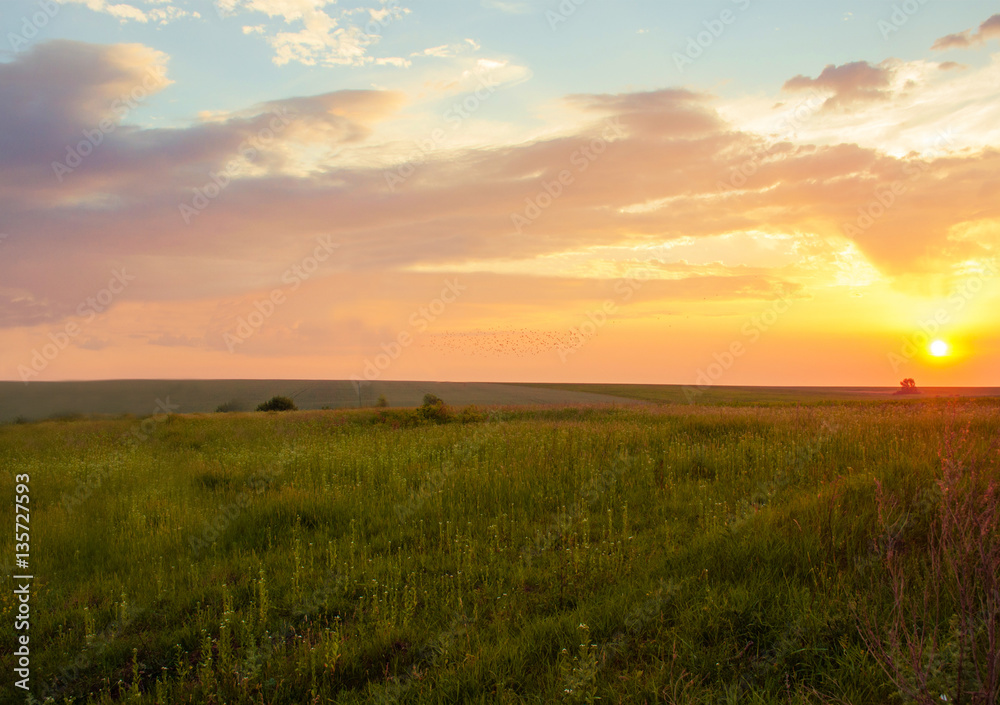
(852, 84)
(990, 29)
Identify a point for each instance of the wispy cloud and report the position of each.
(990, 29)
(155, 11)
(319, 32)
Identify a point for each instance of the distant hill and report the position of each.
(42, 400)
(681, 394)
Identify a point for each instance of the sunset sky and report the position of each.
(730, 191)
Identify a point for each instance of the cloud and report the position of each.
(449, 50)
(669, 112)
(64, 97)
(990, 29)
(163, 13)
(851, 84)
(58, 88)
(322, 38)
(636, 171)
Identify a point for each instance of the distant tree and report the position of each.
(382, 401)
(277, 404)
(434, 409)
(230, 406)
(908, 386)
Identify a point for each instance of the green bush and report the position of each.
(470, 414)
(382, 402)
(277, 404)
(434, 409)
(230, 406)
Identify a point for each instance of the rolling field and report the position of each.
(640, 554)
(47, 400)
(43, 400)
(680, 394)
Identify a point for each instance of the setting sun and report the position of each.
(939, 348)
(390, 193)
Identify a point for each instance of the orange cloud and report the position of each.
(641, 172)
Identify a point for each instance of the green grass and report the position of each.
(669, 554)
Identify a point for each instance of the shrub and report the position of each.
(908, 386)
(382, 402)
(278, 404)
(470, 414)
(398, 418)
(230, 406)
(434, 409)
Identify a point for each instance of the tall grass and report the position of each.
(708, 554)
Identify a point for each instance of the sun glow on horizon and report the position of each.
(940, 348)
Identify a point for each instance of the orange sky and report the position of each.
(822, 231)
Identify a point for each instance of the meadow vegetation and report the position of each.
(509, 555)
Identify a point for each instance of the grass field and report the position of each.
(703, 554)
